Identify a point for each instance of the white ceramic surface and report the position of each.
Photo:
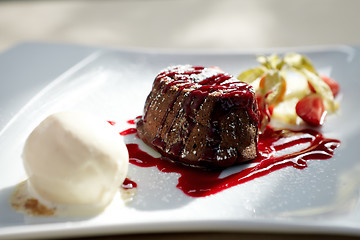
(322, 198)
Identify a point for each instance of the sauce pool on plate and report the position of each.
(277, 149)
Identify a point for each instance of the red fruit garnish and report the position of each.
(334, 86)
(311, 109)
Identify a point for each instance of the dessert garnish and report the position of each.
(290, 89)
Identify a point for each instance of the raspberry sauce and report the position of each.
(128, 131)
(128, 184)
(208, 182)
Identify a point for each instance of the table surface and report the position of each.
(189, 25)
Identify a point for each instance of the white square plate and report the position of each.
(323, 198)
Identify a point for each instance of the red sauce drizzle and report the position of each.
(128, 131)
(128, 184)
(270, 142)
(112, 122)
(133, 121)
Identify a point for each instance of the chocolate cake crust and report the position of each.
(201, 117)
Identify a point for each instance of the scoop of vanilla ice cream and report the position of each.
(76, 159)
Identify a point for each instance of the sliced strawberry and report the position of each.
(334, 86)
(311, 109)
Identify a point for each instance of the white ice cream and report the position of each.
(75, 159)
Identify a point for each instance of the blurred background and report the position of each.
(184, 24)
